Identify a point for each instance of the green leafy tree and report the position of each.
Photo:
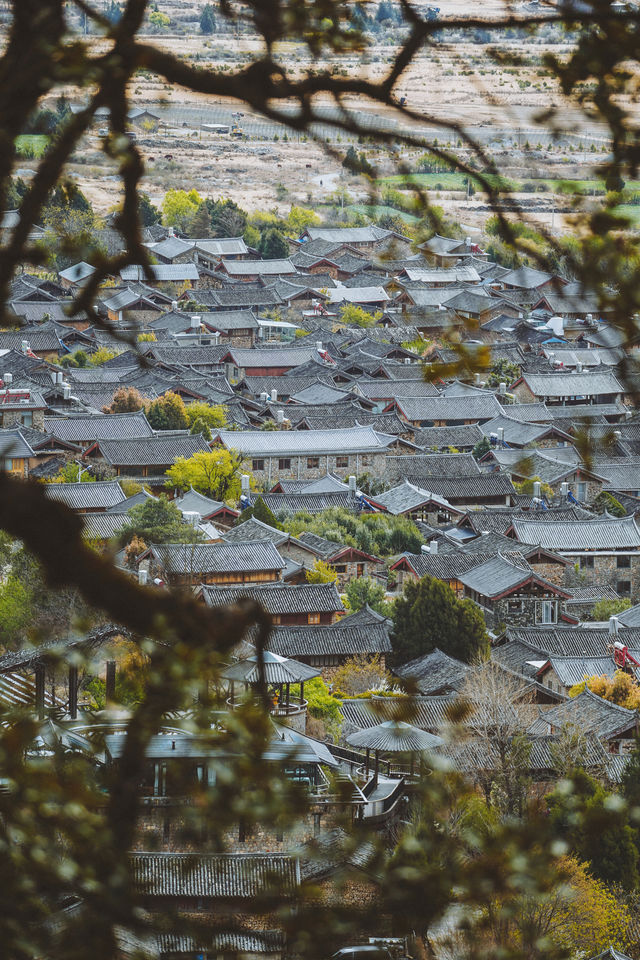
(157, 521)
(72, 472)
(148, 212)
(605, 501)
(215, 473)
(168, 412)
(299, 218)
(503, 371)
(604, 609)
(200, 426)
(482, 446)
(227, 218)
(200, 226)
(261, 512)
(273, 245)
(596, 828)
(364, 591)
(207, 19)
(429, 615)
(16, 612)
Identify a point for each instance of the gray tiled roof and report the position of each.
(406, 497)
(435, 671)
(571, 670)
(572, 384)
(434, 465)
(194, 502)
(96, 495)
(468, 488)
(161, 272)
(274, 443)
(499, 575)
(474, 408)
(235, 557)
(151, 451)
(588, 713)
(223, 876)
(306, 502)
(280, 598)
(337, 639)
(600, 534)
(112, 426)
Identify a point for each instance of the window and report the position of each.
(546, 611)
(342, 462)
(313, 618)
(26, 419)
(313, 463)
(581, 490)
(7, 463)
(339, 567)
(257, 465)
(284, 463)
(515, 606)
(623, 562)
(623, 587)
(586, 563)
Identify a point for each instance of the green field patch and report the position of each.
(31, 144)
(371, 210)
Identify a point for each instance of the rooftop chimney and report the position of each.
(274, 396)
(143, 576)
(174, 305)
(433, 546)
(564, 489)
(578, 367)
(7, 379)
(614, 626)
(264, 396)
(319, 346)
(352, 487)
(26, 346)
(280, 416)
(195, 323)
(501, 436)
(66, 391)
(537, 489)
(502, 388)
(244, 484)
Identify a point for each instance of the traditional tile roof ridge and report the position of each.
(244, 876)
(572, 384)
(336, 639)
(159, 449)
(280, 598)
(237, 557)
(96, 494)
(572, 670)
(499, 575)
(194, 502)
(461, 488)
(608, 533)
(434, 671)
(406, 497)
(108, 426)
(299, 442)
(590, 713)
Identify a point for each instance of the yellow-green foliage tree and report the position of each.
(580, 916)
(353, 314)
(101, 355)
(620, 689)
(214, 473)
(214, 415)
(299, 218)
(321, 572)
(179, 208)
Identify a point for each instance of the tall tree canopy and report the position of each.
(429, 615)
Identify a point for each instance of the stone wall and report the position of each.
(605, 570)
(312, 468)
